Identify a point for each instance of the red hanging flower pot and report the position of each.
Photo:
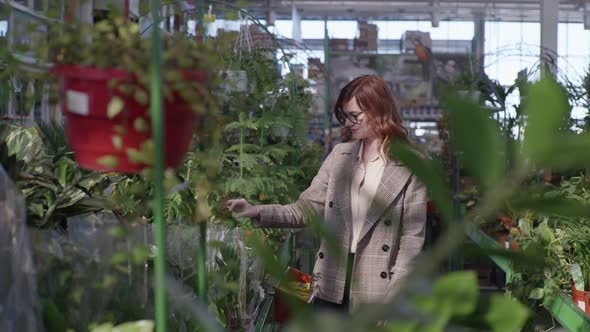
(111, 131)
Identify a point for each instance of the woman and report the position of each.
(374, 205)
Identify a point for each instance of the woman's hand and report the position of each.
(243, 208)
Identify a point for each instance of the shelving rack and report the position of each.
(559, 305)
(18, 16)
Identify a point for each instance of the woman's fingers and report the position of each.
(235, 204)
(242, 207)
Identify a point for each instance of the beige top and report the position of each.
(364, 186)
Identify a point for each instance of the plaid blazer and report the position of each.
(384, 256)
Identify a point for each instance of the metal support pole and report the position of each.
(479, 43)
(549, 21)
(327, 111)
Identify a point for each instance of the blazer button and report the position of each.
(331, 204)
(385, 248)
(383, 275)
(387, 222)
(321, 255)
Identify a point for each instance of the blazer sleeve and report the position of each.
(413, 234)
(309, 205)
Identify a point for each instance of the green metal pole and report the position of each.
(201, 263)
(158, 136)
(200, 20)
(202, 257)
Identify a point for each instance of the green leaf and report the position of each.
(139, 254)
(544, 233)
(106, 327)
(566, 152)
(119, 257)
(403, 326)
(525, 225)
(36, 209)
(537, 294)
(141, 96)
(430, 173)
(139, 326)
(140, 125)
(115, 107)
(478, 140)
(135, 156)
(117, 142)
(118, 232)
(502, 307)
(547, 110)
(54, 320)
(149, 150)
(457, 292)
(108, 161)
(62, 173)
(245, 147)
(550, 205)
(145, 155)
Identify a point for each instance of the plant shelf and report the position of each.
(559, 305)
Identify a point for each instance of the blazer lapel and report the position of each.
(344, 168)
(393, 180)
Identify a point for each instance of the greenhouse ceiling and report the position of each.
(435, 10)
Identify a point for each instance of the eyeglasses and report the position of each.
(341, 116)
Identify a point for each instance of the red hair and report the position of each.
(375, 100)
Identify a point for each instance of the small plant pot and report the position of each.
(105, 143)
(298, 279)
(581, 299)
(507, 242)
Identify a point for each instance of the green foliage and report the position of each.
(473, 131)
(139, 326)
(265, 160)
(53, 185)
(455, 299)
(132, 196)
(265, 138)
(548, 142)
(80, 283)
(564, 235)
(547, 111)
(261, 159)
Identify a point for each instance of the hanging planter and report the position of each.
(104, 85)
(111, 131)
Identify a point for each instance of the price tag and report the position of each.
(77, 102)
(582, 305)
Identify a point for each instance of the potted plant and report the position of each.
(103, 73)
(581, 287)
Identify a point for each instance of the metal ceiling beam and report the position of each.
(495, 10)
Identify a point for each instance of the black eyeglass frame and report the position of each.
(341, 116)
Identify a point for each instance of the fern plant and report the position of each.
(265, 140)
